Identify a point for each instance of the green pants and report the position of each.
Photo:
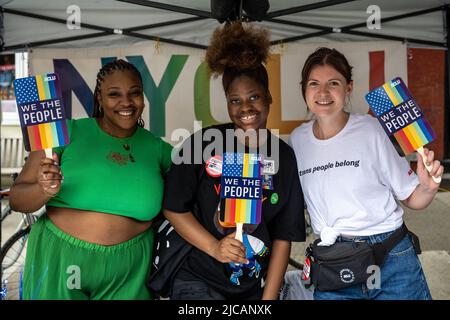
(59, 266)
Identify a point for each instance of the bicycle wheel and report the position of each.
(12, 260)
(6, 211)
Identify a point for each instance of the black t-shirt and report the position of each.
(189, 187)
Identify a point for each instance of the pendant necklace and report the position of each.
(123, 141)
(127, 148)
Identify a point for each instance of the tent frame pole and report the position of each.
(105, 31)
(53, 19)
(306, 7)
(199, 14)
(446, 161)
(349, 29)
(169, 7)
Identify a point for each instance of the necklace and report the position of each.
(124, 141)
(127, 148)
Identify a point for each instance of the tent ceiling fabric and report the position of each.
(100, 17)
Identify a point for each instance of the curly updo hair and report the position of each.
(238, 49)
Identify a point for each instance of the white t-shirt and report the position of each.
(352, 180)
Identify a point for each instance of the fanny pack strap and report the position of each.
(382, 249)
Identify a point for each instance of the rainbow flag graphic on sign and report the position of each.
(241, 188)
(41, 112)
(400, 116)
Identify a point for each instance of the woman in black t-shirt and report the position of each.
(220, 266)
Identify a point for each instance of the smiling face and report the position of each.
(122, 100)
(248, 103)
(326, 91)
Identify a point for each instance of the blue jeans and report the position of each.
(401, 276)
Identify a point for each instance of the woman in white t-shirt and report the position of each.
(352, 177)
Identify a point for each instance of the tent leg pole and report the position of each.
(447, 93)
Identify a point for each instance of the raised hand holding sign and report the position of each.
(402, 119)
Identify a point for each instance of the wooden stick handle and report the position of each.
(49, 153)
(424, 159)
(238, 235)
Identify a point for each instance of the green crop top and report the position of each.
(101, 175)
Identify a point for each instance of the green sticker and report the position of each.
(274, 198)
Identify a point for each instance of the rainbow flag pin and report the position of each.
(401, 117)
(241, 189)
(41, 112)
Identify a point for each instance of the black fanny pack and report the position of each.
(169, 252)
(346, 264)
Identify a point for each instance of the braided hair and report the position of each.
(106, 70)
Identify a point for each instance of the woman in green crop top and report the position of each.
(102, 191)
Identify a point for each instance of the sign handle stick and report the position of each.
(49, 153)
(239, 231)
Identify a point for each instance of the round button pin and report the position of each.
(214, 166)
(274, 198)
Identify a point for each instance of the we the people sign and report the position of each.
(41, 111)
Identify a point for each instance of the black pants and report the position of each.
(193, 290)
(200, 290)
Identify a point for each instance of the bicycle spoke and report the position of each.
(12, 265)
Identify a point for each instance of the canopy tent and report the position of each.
(30, 24)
